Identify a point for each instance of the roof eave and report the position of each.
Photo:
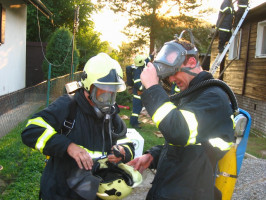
(41, 7)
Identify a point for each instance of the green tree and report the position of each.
(87, 40)
(146, 17)
(59, 53)
(89, 44)
(63, 15)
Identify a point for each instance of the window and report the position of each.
(261, 40)
(2, 24)
(234, 49)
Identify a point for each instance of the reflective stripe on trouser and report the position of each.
(137, 106)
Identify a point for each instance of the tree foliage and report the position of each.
(149, 25)
(63, 16)
(58, 53)
(87, 40)
(89, 44)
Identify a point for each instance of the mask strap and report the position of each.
(187, 70)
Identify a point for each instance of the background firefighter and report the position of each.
(224, 23)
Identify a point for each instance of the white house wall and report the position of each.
(13, 51)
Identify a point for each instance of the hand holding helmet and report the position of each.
(118, 154)
(141, 163)
(81, 156)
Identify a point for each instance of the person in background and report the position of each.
(242, 5)
(174, 89)
(140, 62)
(224, 23)
(197, 128)
(96, 131)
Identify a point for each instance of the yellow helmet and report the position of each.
(117, 180)
(139, 60)
(103, 72)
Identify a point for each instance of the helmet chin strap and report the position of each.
(187, 70)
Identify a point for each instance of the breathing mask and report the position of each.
(172, 56)
(105, 98)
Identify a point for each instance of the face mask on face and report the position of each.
(170, 58)
(104, 100)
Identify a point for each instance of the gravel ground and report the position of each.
(250, 185)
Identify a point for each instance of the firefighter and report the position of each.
(197, 128)
(96, 131)
(242, 5)
(140, 62)
(174, 89)
(225, 26)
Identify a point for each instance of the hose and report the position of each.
(205, 84)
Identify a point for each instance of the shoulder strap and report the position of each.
(70, 120)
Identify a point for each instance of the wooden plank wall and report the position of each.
(255, 84)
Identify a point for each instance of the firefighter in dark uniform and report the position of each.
(174, 89)
(197, 128)
(225, 27)
(88, 139)
(140, 62)
(242, 5)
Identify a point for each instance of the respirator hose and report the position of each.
(205, 84)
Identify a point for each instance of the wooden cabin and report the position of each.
(246, 75)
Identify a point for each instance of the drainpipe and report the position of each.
(246, 62)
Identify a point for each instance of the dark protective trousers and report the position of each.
(223, 38)
(137, 107)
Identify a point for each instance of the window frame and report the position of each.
(261, 31)
(235, 47)
(2, 24)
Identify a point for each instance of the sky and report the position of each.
(110, 25)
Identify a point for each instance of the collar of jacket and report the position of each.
(83, 103)
(202, 76)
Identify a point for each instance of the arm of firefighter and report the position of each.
(226, 9)
(120, 129)
(166, 116)
(41, 134)
(209, 111)
(155, 152)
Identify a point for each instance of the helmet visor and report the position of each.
(112, 82)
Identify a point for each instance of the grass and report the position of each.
(20, 177)
(256, 144)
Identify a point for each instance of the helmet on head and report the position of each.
(139, 60)
(102, 77)
(103, 72)
(172, 55)
(117, 181)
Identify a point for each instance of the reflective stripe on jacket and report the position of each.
(227, 10)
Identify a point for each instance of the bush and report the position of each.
(124, 98)
(59, 53)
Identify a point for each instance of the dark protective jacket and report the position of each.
(198, 131)
(227, 10)
(43, 133)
